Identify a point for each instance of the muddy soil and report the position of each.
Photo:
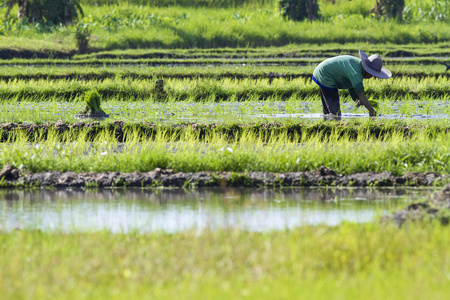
(11, 176)
(437, 207)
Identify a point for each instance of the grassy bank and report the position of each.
(191, 151)
(345, 262)
(131, 26)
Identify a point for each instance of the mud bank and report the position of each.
(437, 207)
(11, 177)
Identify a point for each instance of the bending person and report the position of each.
(347, 72)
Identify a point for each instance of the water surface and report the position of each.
(123, 210)
(222, 112)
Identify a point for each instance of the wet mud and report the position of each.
(11, 177)
(435, 208)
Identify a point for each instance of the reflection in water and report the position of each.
(174, 210)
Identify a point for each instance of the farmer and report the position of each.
(347, 72)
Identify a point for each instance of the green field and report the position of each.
(295, 148)
(237, 97)
(346, 262)
(242, 24)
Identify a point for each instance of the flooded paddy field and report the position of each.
(205, 118)
(219, 112)
(267, 88)
(247, 71)
(205, 62)
(177, 210)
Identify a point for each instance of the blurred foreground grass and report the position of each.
(350, 261)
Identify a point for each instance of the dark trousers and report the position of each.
(330, 101)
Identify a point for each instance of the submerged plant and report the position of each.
(92, 99)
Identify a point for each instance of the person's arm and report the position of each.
(364, 101)
(353, 94)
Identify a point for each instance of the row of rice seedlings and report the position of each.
(289, 51)
(40, 109)
(293, 50)
(156, 62)
(190, 152)
(193, 73)
(303, 50)
(295, 130)
(224, 89)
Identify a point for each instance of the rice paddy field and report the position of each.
(221, 88)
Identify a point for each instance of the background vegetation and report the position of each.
(344, 262)
(171, 24)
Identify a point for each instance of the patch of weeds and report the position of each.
(383, 182)
(92, 185)
(120, 183)
(240, 179)
(302, 181)
(156, 183)
(439, 182)
(351, 183)
(190, 184)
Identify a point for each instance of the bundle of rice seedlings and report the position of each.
(92, 100)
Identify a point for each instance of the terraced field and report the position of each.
(206, 118)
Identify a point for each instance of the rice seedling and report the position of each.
(92, 109)
(199, 89)
(131, 73)
(203, 62)
(192, 151)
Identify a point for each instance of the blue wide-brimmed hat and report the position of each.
(374, 65)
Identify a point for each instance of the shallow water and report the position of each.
(320, 116)
(124, 210)
(224, 112)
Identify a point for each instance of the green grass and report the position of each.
(210, 89)
(131, 26)
(169, 62)
(193, 151)
(343, 262)
(292, 129)
(247, 71)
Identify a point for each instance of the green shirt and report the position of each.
(342, 72)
